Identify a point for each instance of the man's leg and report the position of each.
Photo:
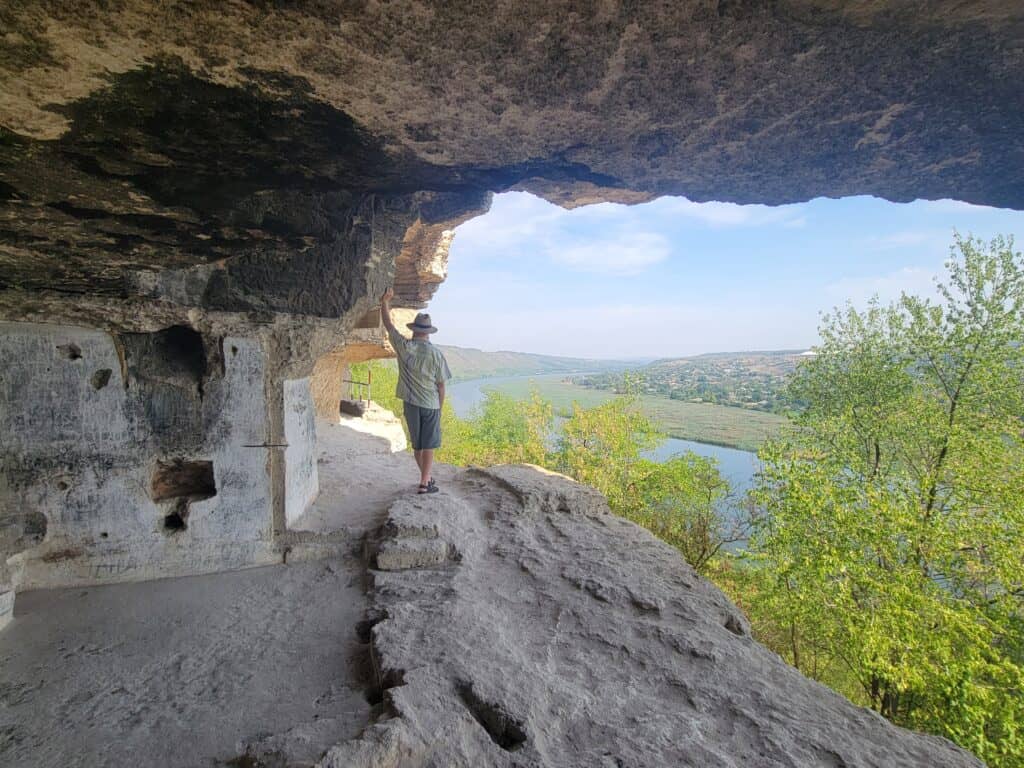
(425, 461)
(412, 419)
(430, 436)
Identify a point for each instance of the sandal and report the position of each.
(430, 487)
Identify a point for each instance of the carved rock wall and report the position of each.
(300, 456)
(121, 462)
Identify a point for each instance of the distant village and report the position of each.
(752, 380)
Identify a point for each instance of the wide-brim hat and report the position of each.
(421, 324)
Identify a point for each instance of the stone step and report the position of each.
(403, 554)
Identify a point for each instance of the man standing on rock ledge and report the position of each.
(422, 373)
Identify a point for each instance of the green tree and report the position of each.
(501, 431)
(601, 446)
(889, 551)
(681, 501)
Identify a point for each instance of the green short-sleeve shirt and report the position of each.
(421, 367)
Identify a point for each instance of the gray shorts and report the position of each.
(424, 426)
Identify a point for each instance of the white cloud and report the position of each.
(514, 218)
(521, 224)
(519, 221)
(720, 215)
(626, 254)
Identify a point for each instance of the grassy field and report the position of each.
(708, 423)
(703, 422)
(561, 394)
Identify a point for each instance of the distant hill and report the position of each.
(753, 380)
(468, 363)
(774, 362)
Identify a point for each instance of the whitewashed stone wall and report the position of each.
(300, 474)
(81, 446)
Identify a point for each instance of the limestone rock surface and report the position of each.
(271, 158)
(561, 635)
(211, 197)
(174, 673)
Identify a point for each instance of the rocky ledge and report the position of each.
(254, 159)
(516, 622)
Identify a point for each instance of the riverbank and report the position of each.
(706, 423)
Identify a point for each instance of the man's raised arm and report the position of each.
(385, 309)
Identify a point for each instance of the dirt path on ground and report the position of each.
(178, 672)
(360, 476)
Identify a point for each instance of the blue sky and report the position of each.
(673, 277)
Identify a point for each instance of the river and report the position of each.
(738, 467)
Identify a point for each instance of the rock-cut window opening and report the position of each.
(341, 470)
(176, 484)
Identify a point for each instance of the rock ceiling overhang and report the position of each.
(248, 140)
